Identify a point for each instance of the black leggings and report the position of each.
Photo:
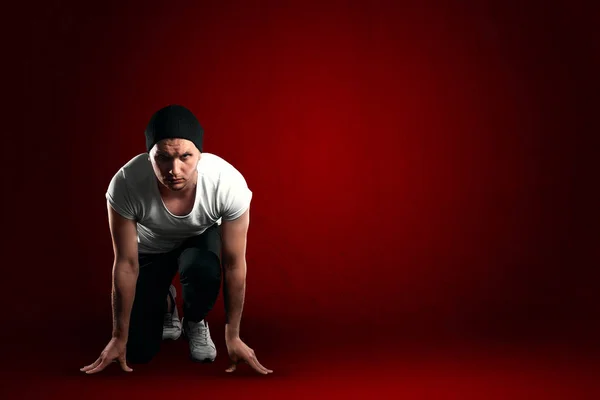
(198, 261)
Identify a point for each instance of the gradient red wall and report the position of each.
(417, 169)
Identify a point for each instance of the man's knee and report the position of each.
(145, 334)
(141, 353)
(199, 266)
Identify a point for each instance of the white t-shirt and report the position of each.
(221, 194)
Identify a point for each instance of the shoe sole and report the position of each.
(170, 337)
(203, 361)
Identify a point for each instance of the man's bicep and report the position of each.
(124, 236)
(234, 234)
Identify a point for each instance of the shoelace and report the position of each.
(168, 322)
(200, 336)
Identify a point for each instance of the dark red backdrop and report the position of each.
(419, 171)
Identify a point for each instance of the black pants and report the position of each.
(198, 261)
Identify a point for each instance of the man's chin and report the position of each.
(175, 186)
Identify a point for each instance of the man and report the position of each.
(176, 209)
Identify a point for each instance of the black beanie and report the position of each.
(173, 121)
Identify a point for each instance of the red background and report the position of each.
(425, 200)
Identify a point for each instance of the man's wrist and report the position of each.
(231, 333)
(119, 336)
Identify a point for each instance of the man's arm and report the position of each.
(124, 274)
(234, 236)
(125, 271)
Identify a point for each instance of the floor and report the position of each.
(404, 370)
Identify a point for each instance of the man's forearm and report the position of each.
(123, 292)
(234, 288)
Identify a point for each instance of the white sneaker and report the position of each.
(171, 322)
(202, 348)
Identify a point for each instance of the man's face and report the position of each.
(174, 162)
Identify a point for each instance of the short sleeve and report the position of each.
(233, 195)
(119, 196)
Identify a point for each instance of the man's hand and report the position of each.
(238, 351)
(114, 351)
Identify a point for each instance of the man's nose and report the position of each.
(175, 169)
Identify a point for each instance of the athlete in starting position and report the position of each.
(176, 209)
